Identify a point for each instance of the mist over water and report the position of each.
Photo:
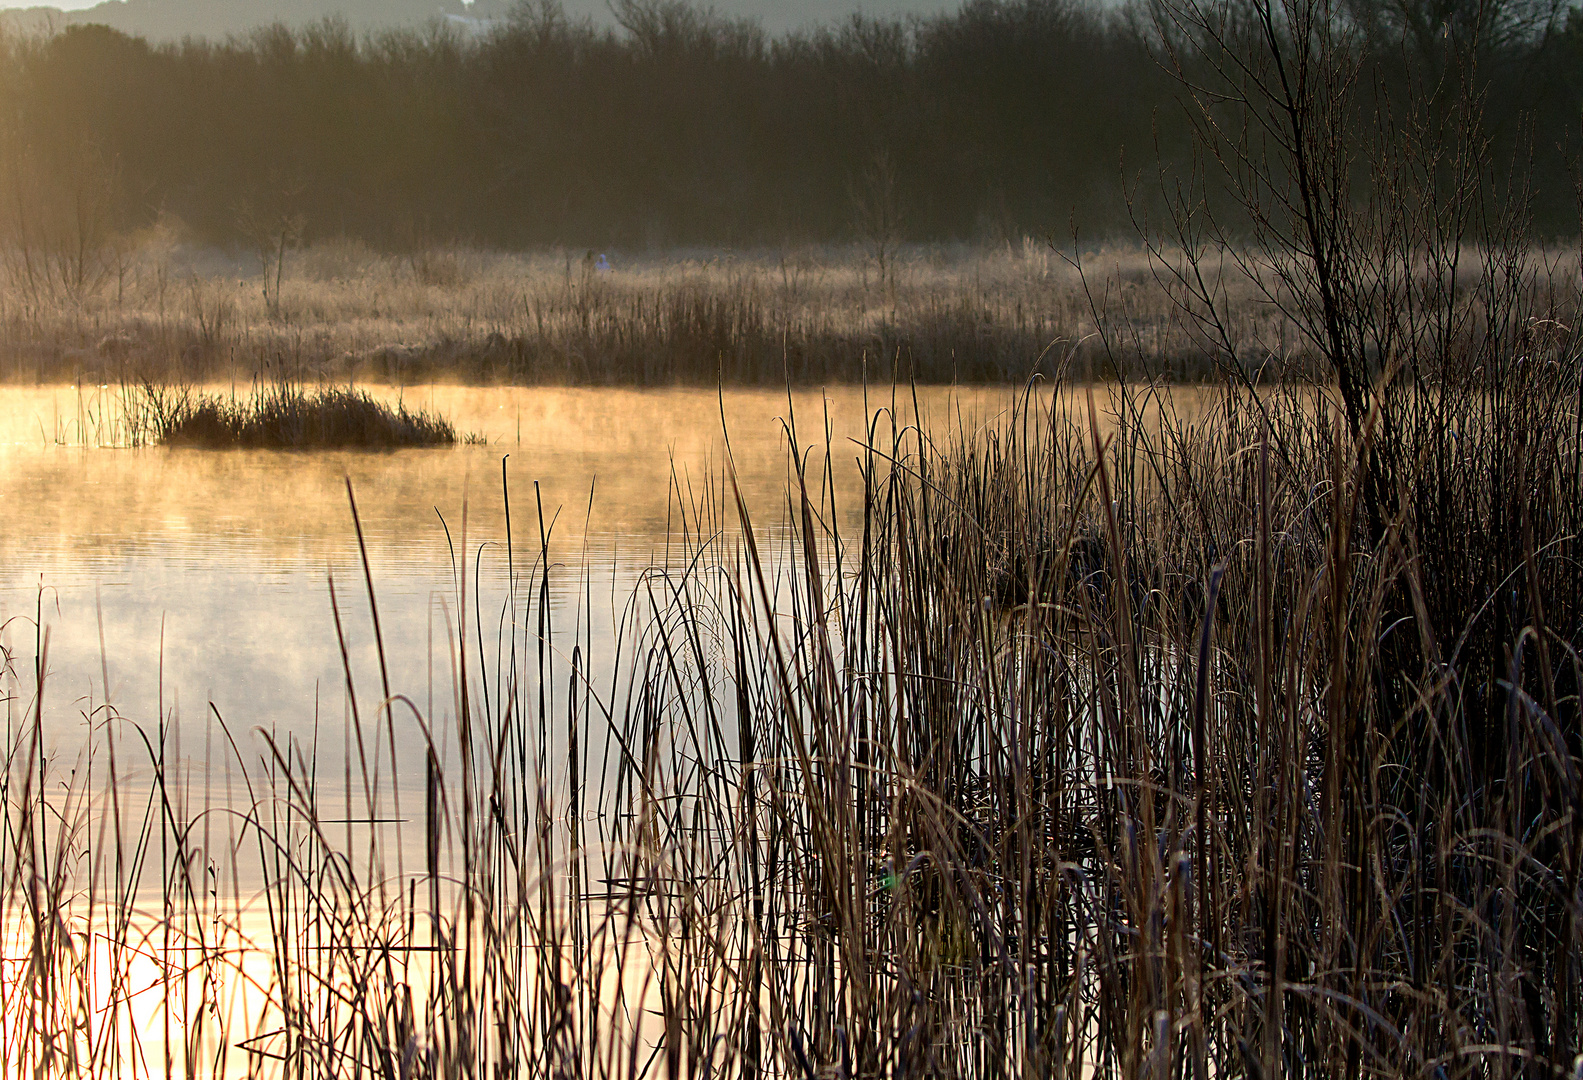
(208, 571)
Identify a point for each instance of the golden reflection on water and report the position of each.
(161, 996)
(207, 569)
(626, 445)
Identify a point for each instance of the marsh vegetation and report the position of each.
(1131, 732)
(807, 316)
(1106, 739)
(282, 415)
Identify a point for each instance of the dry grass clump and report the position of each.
(285, 415)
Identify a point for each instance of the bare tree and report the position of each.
(877, 214)
(1364, 207)
(1350, 211)
(273, 233)
(59, 224)
(1436, 31)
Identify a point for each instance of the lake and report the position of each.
(205, 574)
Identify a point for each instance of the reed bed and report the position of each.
(282, 415)
(1118, 741)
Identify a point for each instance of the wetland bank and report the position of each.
(868, 655)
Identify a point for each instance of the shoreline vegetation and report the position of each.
(338, 311)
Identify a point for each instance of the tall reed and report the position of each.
(1116, 741)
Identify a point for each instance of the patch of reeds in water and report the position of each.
(287, 415)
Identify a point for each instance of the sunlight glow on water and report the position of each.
(209, 568)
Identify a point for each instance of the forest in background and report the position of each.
(172, 20)
(681, 127)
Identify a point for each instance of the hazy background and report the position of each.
(664, 125)
(171, 19)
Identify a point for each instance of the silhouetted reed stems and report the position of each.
(1118, 741)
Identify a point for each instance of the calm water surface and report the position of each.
(206, 572)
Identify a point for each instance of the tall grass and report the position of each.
(806, 315)
(1117, 741)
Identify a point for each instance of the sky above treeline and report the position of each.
(174, 18)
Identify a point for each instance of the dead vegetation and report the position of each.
(808, 316)
(281, 416)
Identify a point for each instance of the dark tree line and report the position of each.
(683, 127)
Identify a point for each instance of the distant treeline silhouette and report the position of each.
(681, 127)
